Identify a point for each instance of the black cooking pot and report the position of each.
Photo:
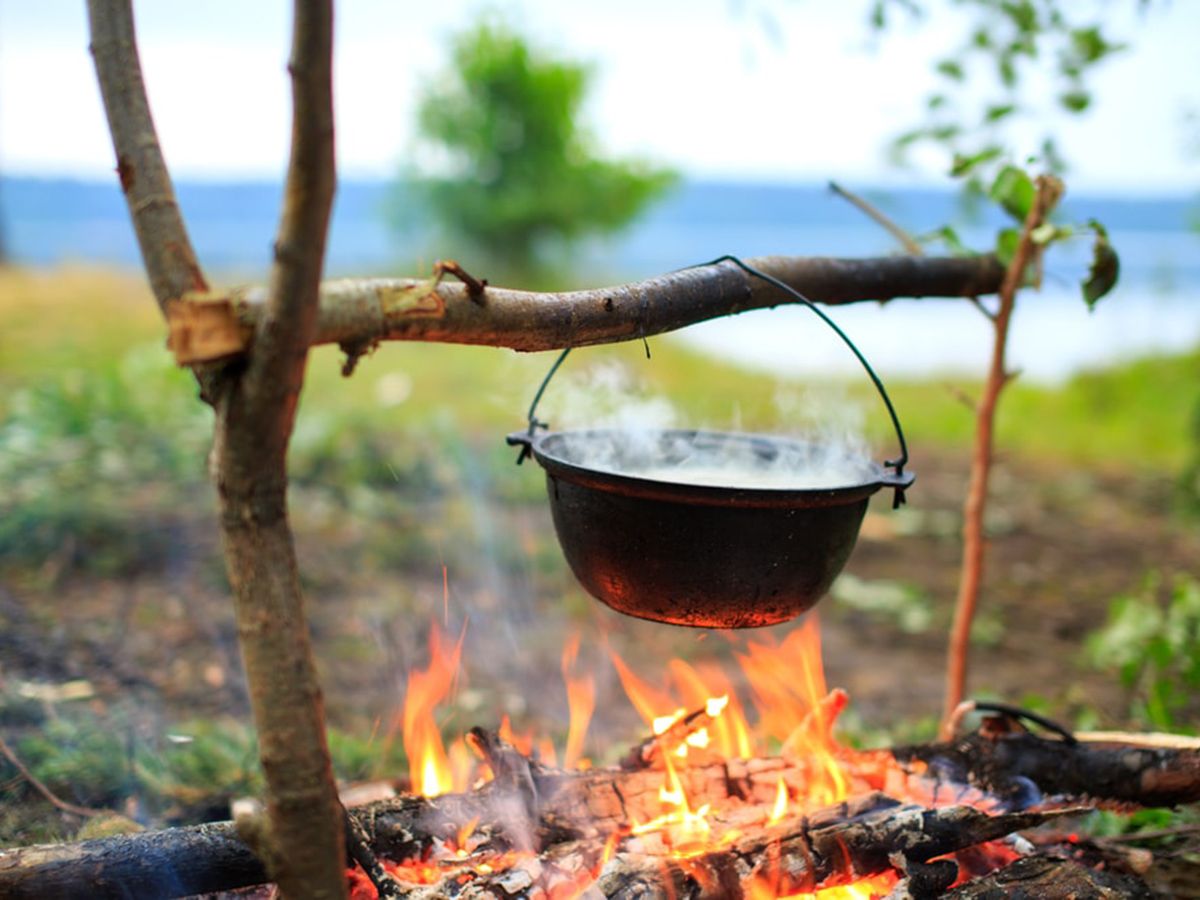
(704, 528)
(706, 555)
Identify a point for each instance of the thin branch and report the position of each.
(906, 240)
(984, 311)
(1049, 190)
(50, 797)
(360, 312)
(166, 250)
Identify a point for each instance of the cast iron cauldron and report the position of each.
(648, 538)
(700, 554)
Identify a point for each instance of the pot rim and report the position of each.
(614, 482)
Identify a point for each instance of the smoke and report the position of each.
(607, 421)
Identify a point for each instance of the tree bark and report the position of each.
(167, 252)
(254, 424)
(357, 313)
(255, 404)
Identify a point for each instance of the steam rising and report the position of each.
(607, 425)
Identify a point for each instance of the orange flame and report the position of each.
(429, 767)
(796, 716)
(581, 700)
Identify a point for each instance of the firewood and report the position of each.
(1008, 765)
(1051, 878)
(575, 811)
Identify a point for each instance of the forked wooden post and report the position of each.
(255, 404)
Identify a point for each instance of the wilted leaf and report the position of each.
(1014, 190)
(1106, 267)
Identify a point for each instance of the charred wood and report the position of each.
(1051, 878)
(567, 816)
(1010, 765)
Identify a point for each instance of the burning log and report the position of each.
(692, 813)
(576, 813)
(1010, 764)
(1051, 876)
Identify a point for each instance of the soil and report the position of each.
(1064, 543)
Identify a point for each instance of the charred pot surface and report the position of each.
(736, 548)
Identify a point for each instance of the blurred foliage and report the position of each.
(1152, 639)
(1014, 54)
(188, 773)
(524, 178)
(81, 454)
(906, 606)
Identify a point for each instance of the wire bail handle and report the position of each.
(899, 481)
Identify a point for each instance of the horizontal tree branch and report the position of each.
(357, 313)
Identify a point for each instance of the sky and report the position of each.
(706, 86)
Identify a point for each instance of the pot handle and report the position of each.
(899, 480)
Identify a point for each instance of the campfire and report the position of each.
(724, 797)
(739, 788)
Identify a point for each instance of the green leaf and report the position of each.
(1006, 245)
(1076, 101)
(951, 69)
(999, 111)
(950, 238)
(1007, 70)
(964, 164)
(878, 15)
(1013, 189)
(1106, 267)
(1090, 46)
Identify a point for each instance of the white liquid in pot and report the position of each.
(768, 477)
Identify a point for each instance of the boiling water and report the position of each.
(765, 477)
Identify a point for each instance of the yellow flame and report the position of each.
(779, 810)
(429, 767)
(660, 724)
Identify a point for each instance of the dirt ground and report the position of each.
(1064, 542)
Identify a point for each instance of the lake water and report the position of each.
(1156, 306)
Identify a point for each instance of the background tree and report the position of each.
(522, 177)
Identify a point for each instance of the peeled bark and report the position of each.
(360, 312)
